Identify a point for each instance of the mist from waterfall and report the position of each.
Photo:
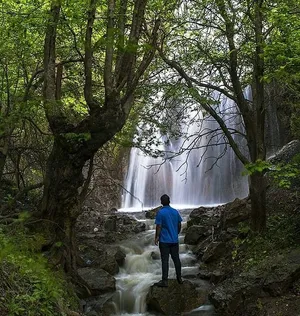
(206, 172)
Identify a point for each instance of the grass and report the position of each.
(28, 286)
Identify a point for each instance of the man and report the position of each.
(168, 226)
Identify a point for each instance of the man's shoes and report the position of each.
(179, 280)
(161, 283)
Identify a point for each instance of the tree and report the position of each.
(222, 49)
(113, 63)
(20, 114)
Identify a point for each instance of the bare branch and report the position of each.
(206, 107)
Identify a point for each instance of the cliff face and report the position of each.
(279, 111)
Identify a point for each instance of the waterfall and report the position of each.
(208, 174)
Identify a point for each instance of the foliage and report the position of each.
(251, 249)
(27, 284)
(258, 166)
(283, 174)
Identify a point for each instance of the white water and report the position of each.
(142, 269)
(196, 177)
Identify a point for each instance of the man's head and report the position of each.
(165, 200)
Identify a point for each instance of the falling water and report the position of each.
(208, 174)
(142, 269)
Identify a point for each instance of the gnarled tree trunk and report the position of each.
(75, 144)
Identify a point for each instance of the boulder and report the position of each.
(107, 228)
(97, 280)
(110, 260)
(214, 276)
(201, 247)
(195, 234)
(176, 298)
(152, 213)
(235, 212)
(100, 305)
(97, 255)
(205, 216)
(139, 227)
(214, 251)
(273, 278)
(119, 256)
(110, 223)
(286, 153)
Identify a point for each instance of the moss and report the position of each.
(283, 233)
(28, 286)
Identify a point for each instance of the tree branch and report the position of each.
(109, 47)
(206, 106)
(88, 59)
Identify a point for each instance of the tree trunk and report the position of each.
(3, 155)
(62, 198)
(60, 204)
(258, 202)
(257, 130)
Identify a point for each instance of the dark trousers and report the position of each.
(167, 249)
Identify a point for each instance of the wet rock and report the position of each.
(110, 260)
(106, 228)
(97, 280)
(125, 220)
(214, 276)
(272, 279)
(201, 247)
(235, 212)
(286, 153)
(195, 233)
(119, 256)
(214, 251)
(205, 216)
(139, 227)
(101, 305)
(97, 255)
(204, 274)
(152, 213)
(176, 298)
(111, 223)
(217, 276)
(155, 255)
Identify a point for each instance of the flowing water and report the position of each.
(142, 269)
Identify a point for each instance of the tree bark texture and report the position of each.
(258, 202)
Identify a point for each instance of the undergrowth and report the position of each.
(28, 286)
(283, 233)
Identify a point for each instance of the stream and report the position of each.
(142, 268)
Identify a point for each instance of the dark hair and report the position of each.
(165, 200)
